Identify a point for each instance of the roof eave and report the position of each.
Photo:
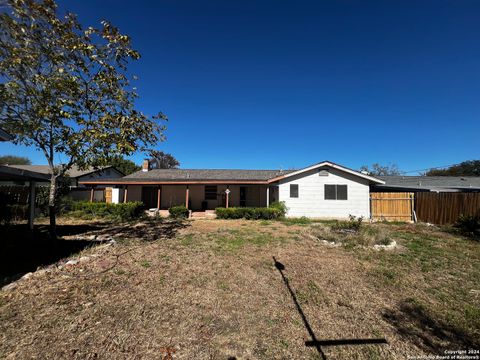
(333, 165)
(173, 182)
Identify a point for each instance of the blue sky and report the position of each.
(282, 84)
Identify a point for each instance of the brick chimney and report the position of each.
(145, 165)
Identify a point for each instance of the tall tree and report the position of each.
(466, 168)
(66, 91)
(14, 160)
(162, 160)
(126, 166)
(381, 170)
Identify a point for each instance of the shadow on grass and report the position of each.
(316, 343)
(146, 230)
(414, 323)
(23, 251)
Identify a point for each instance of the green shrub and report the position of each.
(123, 211)
(280, 205)
(469, 225)
(178, 212)
(250, 213)
(352, 224)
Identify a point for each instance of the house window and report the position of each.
(336, 192)
(293, 190)
(211, 192)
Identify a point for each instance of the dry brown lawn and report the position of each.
(209, 290)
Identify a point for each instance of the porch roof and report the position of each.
(8, 173)
(194, 176)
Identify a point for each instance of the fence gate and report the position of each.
(392, 206)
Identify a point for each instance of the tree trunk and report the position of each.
(52, 208)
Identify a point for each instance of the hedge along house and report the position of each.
(323, 190)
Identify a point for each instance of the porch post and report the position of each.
(226, 197)
(125, 194)
(186, 197)
(268, 196)
(92, 193)
(31, 204)
(159, 197)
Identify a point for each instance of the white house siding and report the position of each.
(311, 198)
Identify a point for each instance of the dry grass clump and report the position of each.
(366, 235)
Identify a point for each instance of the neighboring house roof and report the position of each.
(74, 172)
(8, 173)
(431, 183)
(190, 176)
(4, 136)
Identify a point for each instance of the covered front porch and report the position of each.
(197, 197)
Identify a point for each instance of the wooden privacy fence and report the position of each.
(445, 208)
(392, 206)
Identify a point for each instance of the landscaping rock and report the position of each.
(103, 238)
(390, 246)
(41, 272)
(26, 276)
(10, 286)
(331, 243)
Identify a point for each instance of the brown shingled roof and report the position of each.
(204, 175)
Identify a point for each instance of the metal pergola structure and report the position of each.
(18, 175)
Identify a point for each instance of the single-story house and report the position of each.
(325, 189)
(428, 184)
(75, 174)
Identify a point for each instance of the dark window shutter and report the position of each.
(293, 190)
(342, 192)
(330, 192)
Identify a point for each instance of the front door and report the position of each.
(149, 196)
(243, 196)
